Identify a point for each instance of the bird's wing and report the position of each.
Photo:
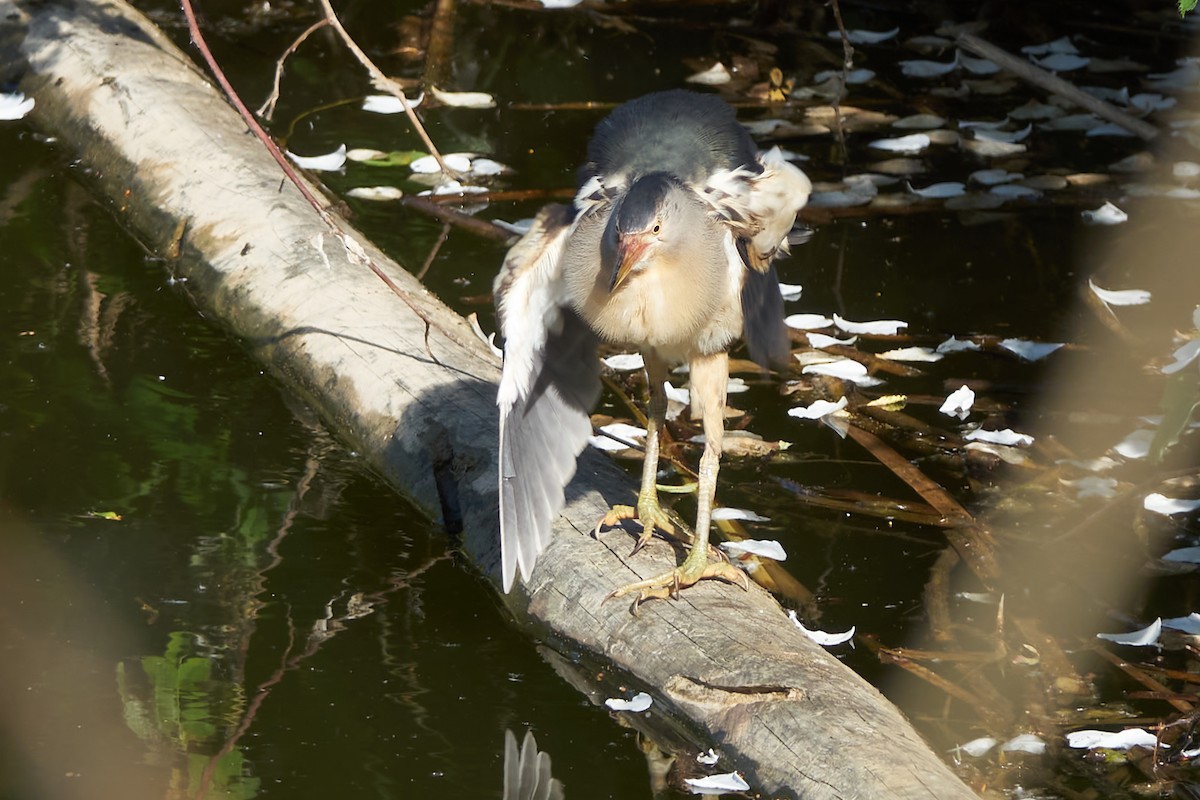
(763, 327)
(550, 382)
(759, 205)
(776, 195)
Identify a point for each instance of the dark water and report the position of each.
(265, 618)
(132, 647)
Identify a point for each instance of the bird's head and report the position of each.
(647, 218)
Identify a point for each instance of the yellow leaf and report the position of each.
(892, 402)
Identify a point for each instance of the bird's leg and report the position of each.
(648, 512)
(709, 376)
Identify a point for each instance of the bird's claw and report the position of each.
(669, 584)
(648, 514)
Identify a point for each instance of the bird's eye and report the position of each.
(656, 228)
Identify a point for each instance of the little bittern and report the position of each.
(667, 249)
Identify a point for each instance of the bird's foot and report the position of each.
(669, 584)
(648, 513)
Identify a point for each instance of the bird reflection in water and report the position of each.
(527, 772)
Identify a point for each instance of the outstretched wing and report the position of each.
(550, 383)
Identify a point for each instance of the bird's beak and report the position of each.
(619, 254)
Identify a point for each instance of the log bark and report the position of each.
(407, 384)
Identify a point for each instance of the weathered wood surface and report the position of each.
(407, 385)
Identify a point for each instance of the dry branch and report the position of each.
(383, 82)
(452, 216)
(1031, 73)
(1133, 671)
(267, 109)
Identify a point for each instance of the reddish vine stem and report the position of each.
(198, 40)
(354, 251)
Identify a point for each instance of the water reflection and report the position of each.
(527, 771)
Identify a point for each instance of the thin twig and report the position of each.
(261, 694)
(888, 656)
(198, 40)
(847, 65)
(312, 466)
(354, 251)
(451, 216)
(440, 49)
(573, 105)
(600, 105)
(505, 196)
(929, 490)
(433, 251)
(383, 82)
(858, 504)
(1141, 677)
(937, 595)
(1031, 73)
(267, 109)
(847, 48)
(967, 657)
(972, 540)
(290, 663)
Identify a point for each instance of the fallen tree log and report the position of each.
(405, 382)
